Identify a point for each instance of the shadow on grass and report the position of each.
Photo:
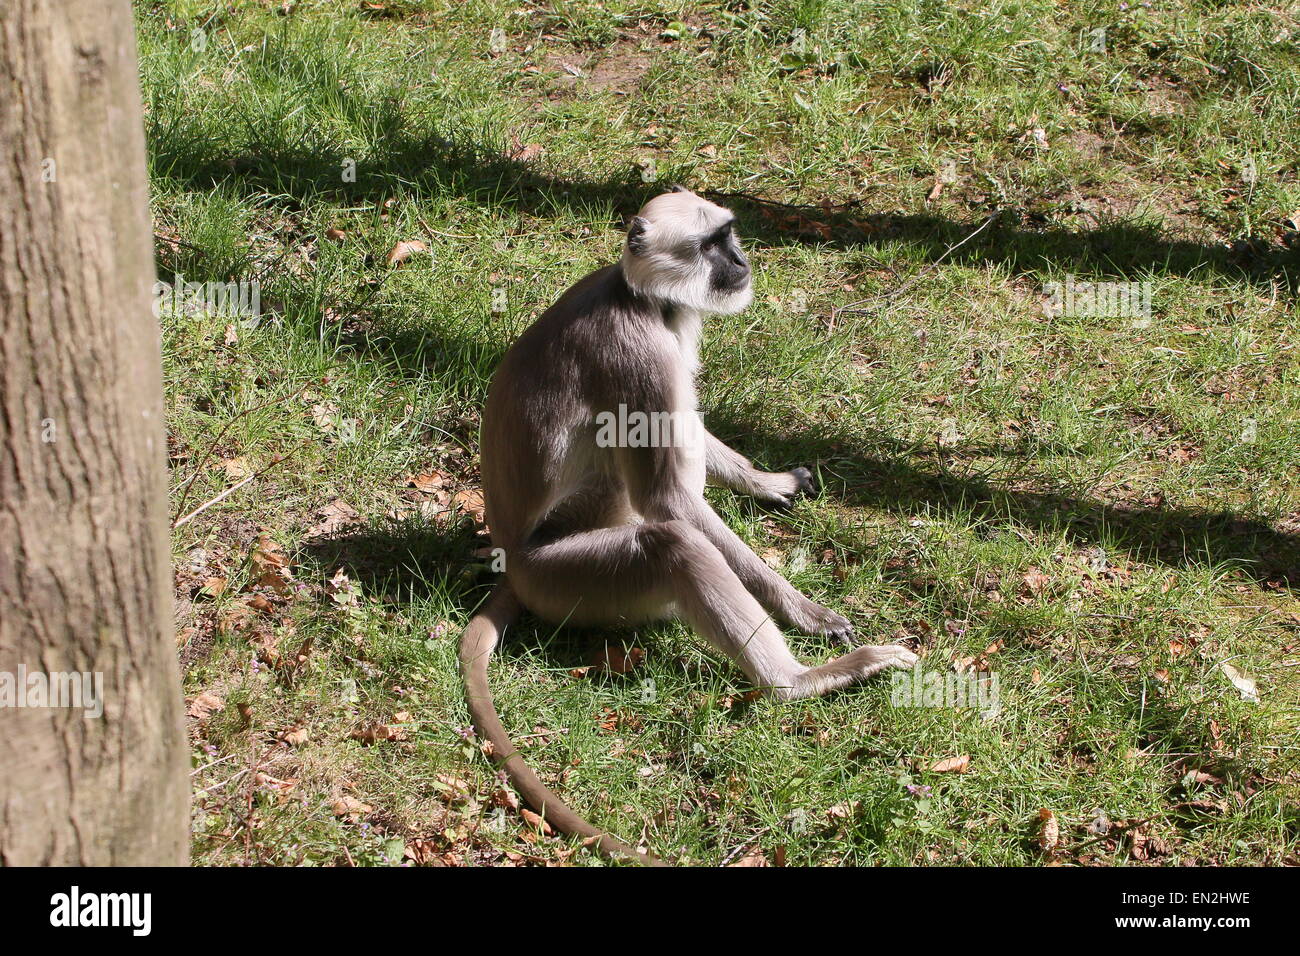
(430, 164)
(404, 559)
(899, 483)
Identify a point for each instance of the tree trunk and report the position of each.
(84, 560)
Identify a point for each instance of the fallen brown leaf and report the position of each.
(428, 482)
(374, 733)
(205, 705)
(351, 807)
(404, 250)
(470, 501)
(952, 765)
(526, 154)
(237, 469)
(536, 822)
(612, 657)
(334, 517)
(270, 566)
(1049, 830)
(214, 587)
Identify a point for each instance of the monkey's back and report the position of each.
(538, 437)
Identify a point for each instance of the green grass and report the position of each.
(1114, 502)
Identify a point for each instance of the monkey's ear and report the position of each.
(636, 234)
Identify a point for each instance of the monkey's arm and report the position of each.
(731, 469)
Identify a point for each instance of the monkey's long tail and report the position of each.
(476, 646)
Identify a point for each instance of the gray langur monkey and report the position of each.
(600, 525)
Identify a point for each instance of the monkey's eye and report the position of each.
(719, 238)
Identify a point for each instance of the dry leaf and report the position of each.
(404, 250)
(237, 469)
(204, 705)
(470, 501)
(1036, 136)
(1036, 581)
(322, 414)
(377, 733)
(536, 822)
(451, 789)
(334, 517)
(335, 234)
(613, 658)
(351, 807)
(214, 587)
(1049, 830)
(274, 784)
(1246, 685)
(526, 154)
(421, 852)
(752, 858)
(295, 736)
(428, 482)
(270, 566)
(952, 764)
(842, 811)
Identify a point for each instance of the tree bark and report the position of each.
(84, 558)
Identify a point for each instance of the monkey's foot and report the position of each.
(852, 667)
(877, 657)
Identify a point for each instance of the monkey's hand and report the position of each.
(783, 487)
(810, 617)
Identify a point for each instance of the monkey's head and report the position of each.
(682, 250)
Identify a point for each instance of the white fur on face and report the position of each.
(670, 269)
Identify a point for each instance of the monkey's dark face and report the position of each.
(728, 267)
(682, 249)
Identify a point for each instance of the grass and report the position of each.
(1102, 510)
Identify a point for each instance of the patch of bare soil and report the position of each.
(621, 68)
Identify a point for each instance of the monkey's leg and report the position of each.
(641, 571)
(774, 592)
(663, 486)
(731, 469)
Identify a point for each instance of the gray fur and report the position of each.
(597, 535)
